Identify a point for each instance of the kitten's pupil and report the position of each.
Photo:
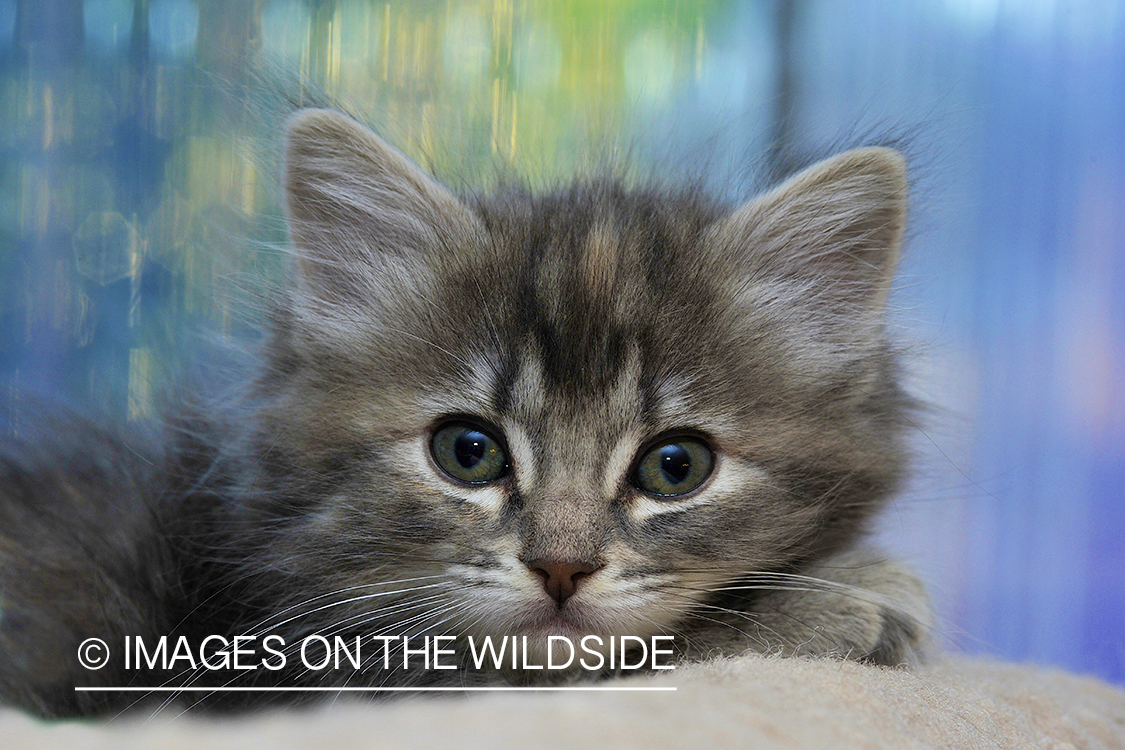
(675, 462)
(469, 448)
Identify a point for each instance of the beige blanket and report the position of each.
(752, 701)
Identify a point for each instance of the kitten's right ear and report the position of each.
(355, 204)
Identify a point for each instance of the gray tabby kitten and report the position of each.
(598, 410)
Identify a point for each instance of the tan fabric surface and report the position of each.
(752, 701)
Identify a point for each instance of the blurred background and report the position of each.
(138, 206)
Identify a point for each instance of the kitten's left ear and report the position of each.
(836, 227)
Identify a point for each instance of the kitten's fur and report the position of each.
(583, 324)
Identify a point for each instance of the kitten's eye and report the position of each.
(468, 454)
(674, 467)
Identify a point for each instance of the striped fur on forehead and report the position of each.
(597, 269)
(601, 260)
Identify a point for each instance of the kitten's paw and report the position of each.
(856, 606)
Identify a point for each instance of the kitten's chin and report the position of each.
(562, 624)
(560, 639)
(575, 621)
(538, 620)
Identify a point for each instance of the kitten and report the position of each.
(599, 410)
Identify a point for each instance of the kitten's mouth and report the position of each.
(559, 625)
(568, 621)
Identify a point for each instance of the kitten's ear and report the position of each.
(835, 227)
(354, 203)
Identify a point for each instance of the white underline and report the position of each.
(506, 689)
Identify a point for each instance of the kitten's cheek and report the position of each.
(490, 499)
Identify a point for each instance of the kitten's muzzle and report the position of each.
(560, 579)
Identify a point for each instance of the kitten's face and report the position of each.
(581, 412)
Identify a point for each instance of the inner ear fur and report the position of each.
(353, 201)
(837, 226)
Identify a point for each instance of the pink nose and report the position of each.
(560, 579)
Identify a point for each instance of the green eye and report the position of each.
(674, 467)
(468, 453)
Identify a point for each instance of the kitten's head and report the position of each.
(580, 411)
